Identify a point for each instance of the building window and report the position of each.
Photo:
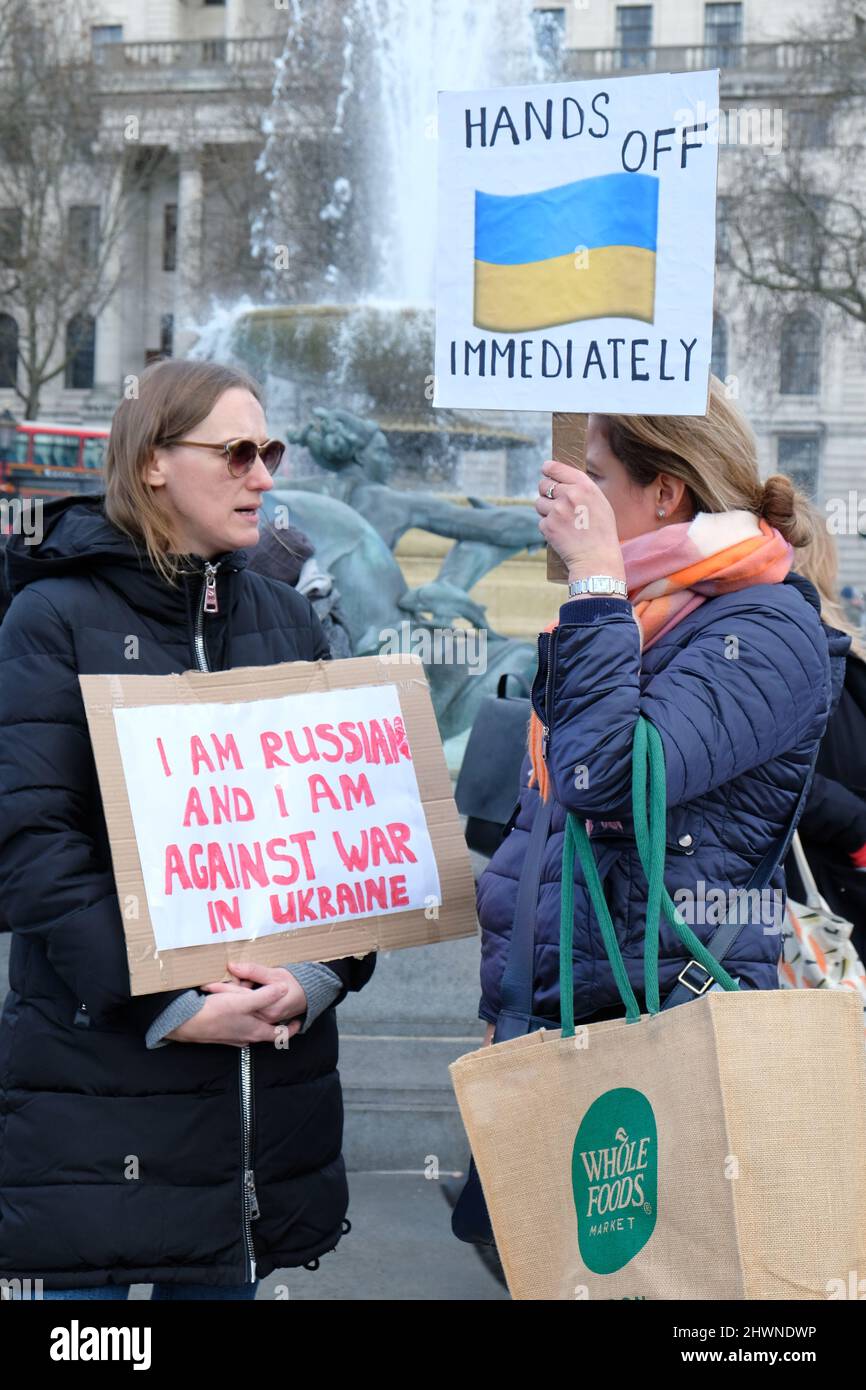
(101, 37)
(83, 233)
(166, 335)
(804, 234)
(214, 2)
(800, 355)
(634, 28)
(719, 357)
(80, 352)
(8, 352)
(723, 35)
(549, 29)
(798, 459)
(808, 128)
(101, 34)
(11, 235)
(169, 237)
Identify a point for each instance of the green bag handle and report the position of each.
(650, 836)
(693, 944)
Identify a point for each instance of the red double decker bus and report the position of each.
(50, 460)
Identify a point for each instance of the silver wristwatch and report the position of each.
(598, 584)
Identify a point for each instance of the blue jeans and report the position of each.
(161, 1292)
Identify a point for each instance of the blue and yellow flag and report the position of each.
(530, 267)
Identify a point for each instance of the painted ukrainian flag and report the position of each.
(528, 273)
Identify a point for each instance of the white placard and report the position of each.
(269, 815)
(576, 246)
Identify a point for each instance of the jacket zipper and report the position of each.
(208, 604)
(548, 695)
(250, 1202)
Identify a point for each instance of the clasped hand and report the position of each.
(259, 1004)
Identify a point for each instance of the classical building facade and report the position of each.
(185, 82)
(802, 381)
(181, 85)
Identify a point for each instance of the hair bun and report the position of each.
(788, 510)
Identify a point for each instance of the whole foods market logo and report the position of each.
(614, 1177)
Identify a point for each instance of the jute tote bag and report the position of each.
(692, 1153)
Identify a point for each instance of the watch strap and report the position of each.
(599, 585)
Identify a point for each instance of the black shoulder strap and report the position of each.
(721, 942)
(519, 973)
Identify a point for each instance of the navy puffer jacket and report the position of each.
(740, 691)
(81, 1095)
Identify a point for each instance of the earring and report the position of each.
(661, 513)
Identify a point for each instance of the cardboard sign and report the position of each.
(577, 245)
(277, 814)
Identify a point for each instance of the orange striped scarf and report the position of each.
(670, 572)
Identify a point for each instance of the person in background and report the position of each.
(285, 553)
(190, 1138)
(833, 826)
(854, 608)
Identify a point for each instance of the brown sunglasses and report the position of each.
(241, 454)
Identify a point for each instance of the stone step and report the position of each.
(398, 1036)
(401, 1113)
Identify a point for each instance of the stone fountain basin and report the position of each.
(374, 358)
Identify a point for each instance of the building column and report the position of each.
(190, 248)
(110, 364)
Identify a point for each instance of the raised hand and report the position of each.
(578, 522)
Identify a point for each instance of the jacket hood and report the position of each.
(78, 537)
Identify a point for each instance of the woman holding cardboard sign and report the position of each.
(683, 609)
(169, 1138)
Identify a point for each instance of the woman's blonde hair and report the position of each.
(819, 563)
(716, 457)
(172, 398)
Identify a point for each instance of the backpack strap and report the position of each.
(519, 973)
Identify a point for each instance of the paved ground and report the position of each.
(400, 1246)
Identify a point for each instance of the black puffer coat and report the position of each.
(120, 1164)
(833, 827)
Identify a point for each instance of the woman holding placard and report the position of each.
(683, 608)
(169, 1138)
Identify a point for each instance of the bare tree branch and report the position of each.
(54, 158)
(795, 230)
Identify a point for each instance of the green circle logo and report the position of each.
(614, 1178)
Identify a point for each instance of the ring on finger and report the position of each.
(550, 492)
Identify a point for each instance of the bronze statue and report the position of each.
(358, 458)
(355, 519)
